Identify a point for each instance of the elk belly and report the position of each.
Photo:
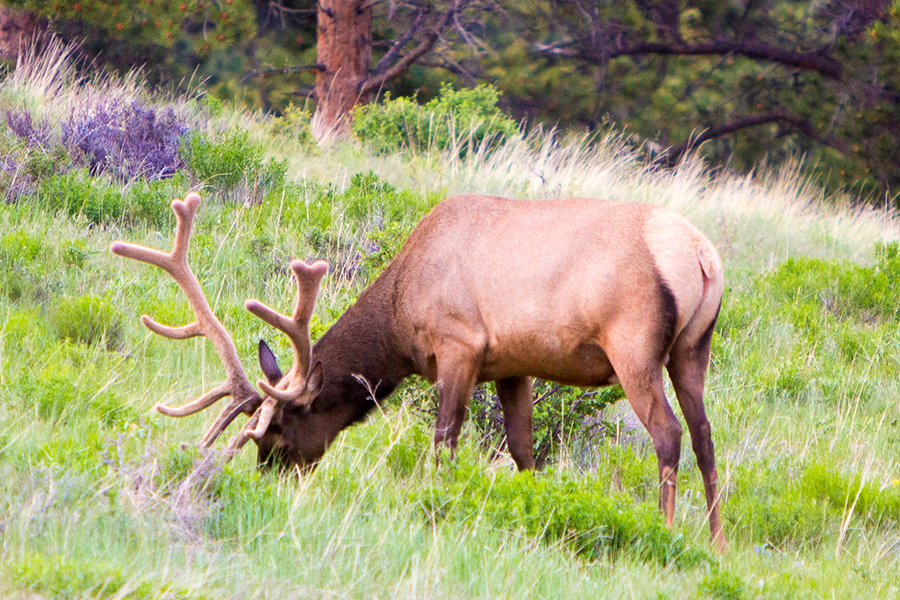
(548, 357)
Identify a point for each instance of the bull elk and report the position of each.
(578, 291)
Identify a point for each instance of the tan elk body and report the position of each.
(579, 291)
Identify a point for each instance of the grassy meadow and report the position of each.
(803, 392)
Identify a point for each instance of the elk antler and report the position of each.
(296, 327)
(244, 398)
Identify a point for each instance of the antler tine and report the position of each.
(244, 397)
(296, 327)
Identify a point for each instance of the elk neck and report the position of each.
(360, 354)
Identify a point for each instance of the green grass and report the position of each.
(802, 395)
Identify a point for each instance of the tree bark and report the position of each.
(344, 54)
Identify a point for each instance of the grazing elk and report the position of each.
(578, 291)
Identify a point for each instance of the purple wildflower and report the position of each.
(21, 124)
(127, 140)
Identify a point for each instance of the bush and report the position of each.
(19, 247)
(843, 289)
(21, 124)
(127, 140)
(722, 585)
(29, 156)
(144, 201)
(20, 264)
(76, 193)
(55, 394)
(59, 576)
(295, 123)
(559, 508)
(804, 504)
(232, 165)
(562, 415)
(89, 320)
(814, 330)
(463, 119)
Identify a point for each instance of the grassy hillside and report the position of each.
(803, 393)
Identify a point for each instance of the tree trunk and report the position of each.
(344, 53)
(17, 29)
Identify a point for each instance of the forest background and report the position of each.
(745, 81)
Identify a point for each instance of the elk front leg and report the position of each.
(516, 400)
(456, 374)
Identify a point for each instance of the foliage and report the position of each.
(563, 416)
(19, 254)
(722, 585)
(57, 576)
(87, 319)
(804, 302)
(463, 120)
(230, 164)
(198, 24)
(561, 508)
(764, 83)
(61, 394)
(845, 290)
(128, 140)
(60, 167)
(295, 123)
(30, 156)
(801, 395)
(809, 506)
(755, 84)
(21, 124)
(97, 200)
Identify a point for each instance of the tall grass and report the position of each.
(803, 399)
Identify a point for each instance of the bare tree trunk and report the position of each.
(344, 53)
(17, 29)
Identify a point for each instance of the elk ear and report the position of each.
(269, 364)
(314, 380)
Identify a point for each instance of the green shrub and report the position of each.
(461, 119)
(21, 264)
(59, 576)
(558, 508)
(19, 247)
(75, 253)
(249, 501)
(814, 330)
(77, 193)
(56, 394)
(562, 415)
(295, 123)
(175, 464)
(87, 319)
(722, 585)
(50, 394)
(843, 289)
(149, 202)
(24, 327)
(231, 164)
(805, 504)
(101, 202)
(111, 410)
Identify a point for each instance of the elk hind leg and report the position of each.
(516, 400)
(687, 369)
(644, 389)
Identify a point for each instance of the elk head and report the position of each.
(291, 393)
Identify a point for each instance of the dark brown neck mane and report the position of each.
(359, 354)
